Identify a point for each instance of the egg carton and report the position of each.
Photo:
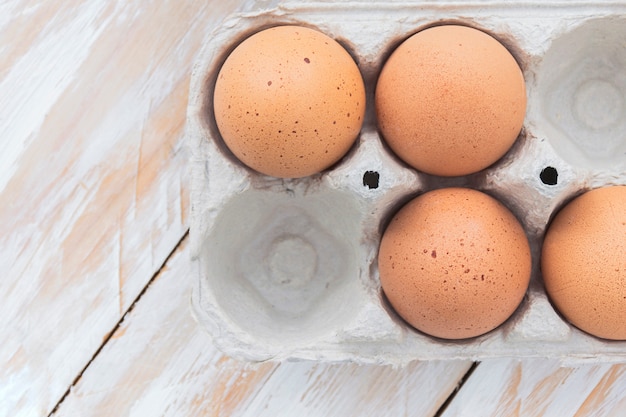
(247, 228)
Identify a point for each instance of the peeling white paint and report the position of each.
(88, 215)
(35, 82)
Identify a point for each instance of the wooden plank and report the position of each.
(159, 362)
(93, 99)
(541, 387)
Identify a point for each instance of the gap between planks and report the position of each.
(119, 323)
(456, 389)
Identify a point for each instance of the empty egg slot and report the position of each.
(581, 94)
(281, 265)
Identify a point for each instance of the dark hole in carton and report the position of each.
(549, 176)
(370, 179)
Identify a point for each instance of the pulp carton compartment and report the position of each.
(286, 268)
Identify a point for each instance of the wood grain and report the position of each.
(159, 362)
(541, 387)
(93, 99)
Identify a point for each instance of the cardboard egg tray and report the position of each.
(286, 268)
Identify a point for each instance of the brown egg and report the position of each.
(289, 101)
(450, 100)
(454, 263)
(584, 262)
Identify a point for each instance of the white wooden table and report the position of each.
(94, 294)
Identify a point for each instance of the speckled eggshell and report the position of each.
(454, 263)
(289, 101)
(450, 100)
(584, 262)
